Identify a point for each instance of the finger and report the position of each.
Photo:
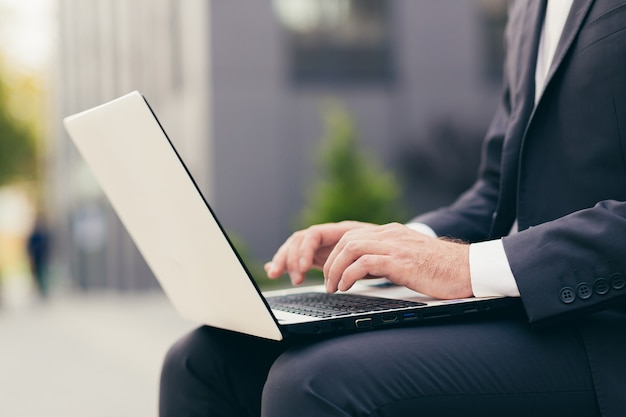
(293, 258)
(305, 249)
(348, 253)
(309, 247)
(312, 247)
(320, 256)
(369, 232)
(381, 234)
(278, 265)
(365, 267)
(337, 249)
(272, 270)
(364, 233)
(281, 261)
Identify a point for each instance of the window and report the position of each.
(337, 41)
(493, 14)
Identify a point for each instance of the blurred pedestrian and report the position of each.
(38, 247)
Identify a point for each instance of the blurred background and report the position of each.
(287, 113)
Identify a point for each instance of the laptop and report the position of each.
(192, 257)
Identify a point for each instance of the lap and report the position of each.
(445, 368)
(498, 366)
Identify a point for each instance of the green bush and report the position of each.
(351, 184)
(17, 141)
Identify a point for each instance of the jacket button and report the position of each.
(583, 290)
(618, 281)
(601, 286)
(567, 295)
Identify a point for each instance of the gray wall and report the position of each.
(266, 128)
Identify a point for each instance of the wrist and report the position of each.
(457, 270)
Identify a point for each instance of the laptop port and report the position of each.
(389, 318)
(363, 323)
(409, 316)
(435, 315)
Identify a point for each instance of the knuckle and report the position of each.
(313, 231)
(367, 261)
(394, 226)
(298, 234)
(351, 246)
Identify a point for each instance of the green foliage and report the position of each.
(17, 142)
(352, 186)
(255, 268)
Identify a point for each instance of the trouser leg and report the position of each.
(483, 368)
(212, 372)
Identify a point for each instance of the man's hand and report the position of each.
(436, 267)
(350, 251)
(308, 248)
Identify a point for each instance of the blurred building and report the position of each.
(240, 87)
(106, 49)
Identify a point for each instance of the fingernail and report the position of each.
(272, 269)
(296, 278)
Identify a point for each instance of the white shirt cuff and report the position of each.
(422, 228)
(490, 271)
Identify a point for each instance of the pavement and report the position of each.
(90, 355)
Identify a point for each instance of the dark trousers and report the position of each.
(486, 367)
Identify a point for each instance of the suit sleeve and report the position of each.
(572, 265)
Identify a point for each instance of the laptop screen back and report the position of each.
(167, 217)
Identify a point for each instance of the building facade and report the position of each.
(106, 49)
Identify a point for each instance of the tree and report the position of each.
(17, 140)
(351, 186)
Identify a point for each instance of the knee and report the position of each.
(188, 368)
(205, 354)
(176, 361)
(284, 390)
(283, 379)
(304, 380)
(176, 378)
(193, 357)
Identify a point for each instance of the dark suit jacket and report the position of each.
(559, 168)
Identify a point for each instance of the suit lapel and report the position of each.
(525, 54)
(523, 93)
(572, 26)
(570, 30)
(526, 19)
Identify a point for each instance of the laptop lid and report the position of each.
(164, 212)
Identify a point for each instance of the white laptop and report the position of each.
(191, 255)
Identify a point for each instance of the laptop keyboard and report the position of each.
(317, 304)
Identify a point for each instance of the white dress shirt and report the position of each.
(490, 271)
